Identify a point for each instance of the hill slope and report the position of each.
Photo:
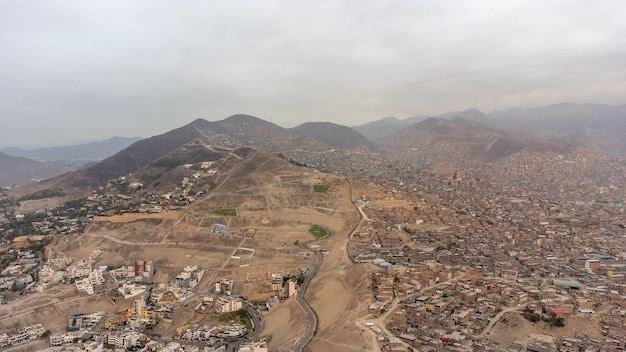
(19, 171)
(233, 132)
(387, 126)
(460, 142)
(334, 135)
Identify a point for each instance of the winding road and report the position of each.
(311, 318)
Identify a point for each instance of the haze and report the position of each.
(78, 71)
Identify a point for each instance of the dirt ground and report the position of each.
(340, 292)
(52, 308)
(275, 323)
(281, 215)
(513, 327)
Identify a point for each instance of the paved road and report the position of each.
(311, 318)
(258, 323)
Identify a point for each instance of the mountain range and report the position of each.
(233, 132)
(74, 155)
(468, 136)
(597, 126)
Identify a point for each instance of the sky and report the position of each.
(78, 71)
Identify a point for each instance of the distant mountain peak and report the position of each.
(249, 119)
(391, 119)
(75, 155)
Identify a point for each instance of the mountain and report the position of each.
(601, 127)
(233, 132)
(597, 126)
(382, 128)
(248, 130)
(75, 155)
(19, 171)
(145, 151)
(334, 135)
(386, 126)
(463, 142)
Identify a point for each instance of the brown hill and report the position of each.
(334, 135)
(165, 174)
(19, 171)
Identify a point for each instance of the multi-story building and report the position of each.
(228, 304)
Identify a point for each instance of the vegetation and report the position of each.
(282, 156)
(321, 188)
(169, 163)
(149, 177)
(224, 211)
(15, 227)
(43, 194)
(297, 163)
(299, 279)
(241, 317)
(318, 231)
(549, 318)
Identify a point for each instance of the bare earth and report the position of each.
(517, 328)
(280, 212)
(284, 325)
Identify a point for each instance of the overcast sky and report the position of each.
(79, 71)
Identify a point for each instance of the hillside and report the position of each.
(596, 126)
(387, 126)
(384, 127)
(126, 161)
(20, 171)
(463, 142)
(251, 131)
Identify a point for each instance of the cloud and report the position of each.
(90, 70)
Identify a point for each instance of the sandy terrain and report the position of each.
(35, 308)
(285, 324)
(280, 213)
(339, 293)
(517, 328)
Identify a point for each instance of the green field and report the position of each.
(321, 188)
(43, 194)
(318, 231)
(225, 212)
